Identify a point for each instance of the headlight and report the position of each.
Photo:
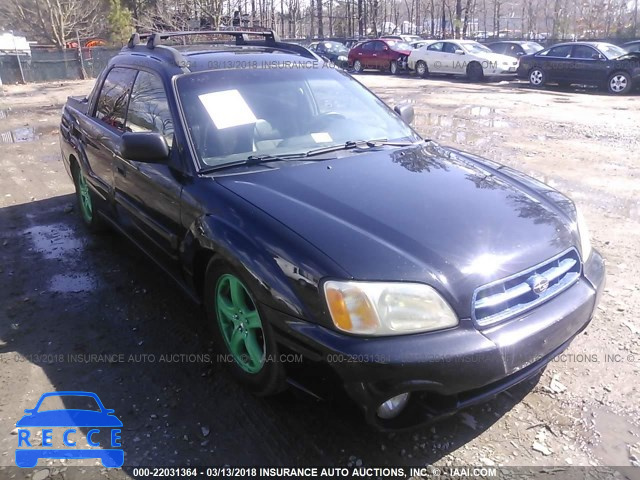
(583, 232)
(372, 308)
(342, 58)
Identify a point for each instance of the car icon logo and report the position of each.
(72, 420)
(538, 284)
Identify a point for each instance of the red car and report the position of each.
(380, 54)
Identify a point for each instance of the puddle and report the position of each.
(20, 135)
(483, 116)
(616, 433)
(74, 283)
(55, 241)
(25, 134)
(452, 129)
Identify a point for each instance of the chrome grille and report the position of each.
(510, 296)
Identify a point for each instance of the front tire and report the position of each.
(85, 201)
(475, 72)
(393, 68)
(241, 331)
(619, 83)
(537, 77)
(357, 66)
(421, 69)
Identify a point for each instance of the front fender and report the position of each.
(283, 269)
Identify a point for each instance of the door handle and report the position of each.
(121, 171)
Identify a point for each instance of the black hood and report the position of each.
(425, 214)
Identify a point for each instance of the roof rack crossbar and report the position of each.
(240, 35)
(271, 39)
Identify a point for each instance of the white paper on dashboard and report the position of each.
(227, 109)
(321, 137)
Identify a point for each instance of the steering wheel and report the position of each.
(325, 119)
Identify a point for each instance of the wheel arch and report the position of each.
(212, 238)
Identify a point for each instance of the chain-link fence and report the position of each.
(46, 65)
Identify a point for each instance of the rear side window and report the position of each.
(450, 47)
(149, 108)
(368, 46)
(583, 51)
(498, 47)
(114, 96)
(436, 47)
(561, 51)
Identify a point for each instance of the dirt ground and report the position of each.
(66, 295)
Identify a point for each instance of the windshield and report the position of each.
(476, 48)
(398, 45)
(530, 48)
(233, 114)
(610, 51)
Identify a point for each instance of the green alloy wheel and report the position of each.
(86, 206)
(240, 324)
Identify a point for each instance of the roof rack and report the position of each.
(271, 39)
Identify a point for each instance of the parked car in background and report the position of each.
(515, 48)
(352, 42)
(584, 63)
(402, 37)
(633, 46)
(380, 54)
(461, 57)
(335, 52)
(421, 43)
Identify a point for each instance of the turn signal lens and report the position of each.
(351, 310)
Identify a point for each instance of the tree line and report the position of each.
(57, 22)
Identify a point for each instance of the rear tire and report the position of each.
(241, 331)
(357, 66)
(619, 83)
(537, 77)
(475, 72)
(421, 69)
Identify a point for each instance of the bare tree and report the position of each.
(54, 21)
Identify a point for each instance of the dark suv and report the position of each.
(309, 218)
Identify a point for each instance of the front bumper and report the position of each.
(450, 369)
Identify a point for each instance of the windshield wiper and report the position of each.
(357, 144)
(253, 160)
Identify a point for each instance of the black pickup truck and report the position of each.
(314, 223)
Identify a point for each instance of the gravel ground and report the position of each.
(66, 295)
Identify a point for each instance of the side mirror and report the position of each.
(459, 52)
(597, 56)
(519, 54)
(144, 147)
(385, 48)
(405, 112)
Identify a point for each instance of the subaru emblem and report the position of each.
(538, 284)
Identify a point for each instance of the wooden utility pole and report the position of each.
(83, 72)
(320, 29)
